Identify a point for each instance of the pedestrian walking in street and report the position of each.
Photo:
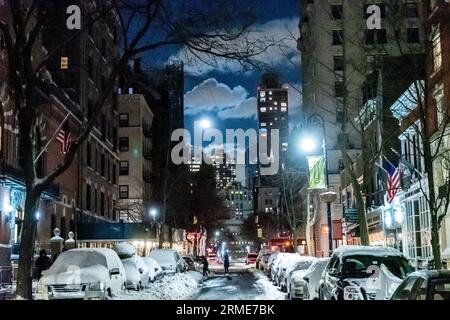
(226, 262)
(42, 263)
(205, 266)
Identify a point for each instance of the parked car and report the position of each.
(286, 265)
(276, 264)
(169, 260)
(251, 258)
(351, 270)
(137, 272)
(270, 261)
(262, 259)
(424, 285)
(83, 274)
(155, 270)
(302, 264)
(191, 264)
(303, 284)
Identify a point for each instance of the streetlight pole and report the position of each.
(328, 197)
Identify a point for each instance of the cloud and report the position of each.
(214, 96)
(284, 54)
(246, 109)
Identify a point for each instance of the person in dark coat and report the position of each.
(42, 263)
(205, 266)
(226, 262)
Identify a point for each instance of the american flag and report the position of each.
(393, 181)
(64, 137)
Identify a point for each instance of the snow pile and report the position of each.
(172, 287)
(267, 289)
(387, 283)
(124, 250)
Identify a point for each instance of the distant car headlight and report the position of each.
(352, 293)
(42, 289)
(96, 286)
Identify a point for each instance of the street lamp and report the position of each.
(153, 213)
(308, 145)
(205, 123)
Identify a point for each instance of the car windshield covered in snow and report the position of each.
(163, 256)
(303, 265)
(80, 259)
(364, 266)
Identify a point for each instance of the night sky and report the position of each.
(226, 95)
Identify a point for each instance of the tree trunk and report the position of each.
(435, 241)
(363, 229)
(24, 277)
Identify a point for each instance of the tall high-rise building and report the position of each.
(273, 114)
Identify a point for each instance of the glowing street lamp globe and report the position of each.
(308, 144)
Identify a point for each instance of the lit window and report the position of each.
(270, 108)
(263, 109)
(275, 103)
(262, 94)
(262, 99)
(263, 124)
(283, 109)
(284, 104)
(270, 92)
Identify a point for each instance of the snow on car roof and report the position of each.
(124, 249)
(366, 250)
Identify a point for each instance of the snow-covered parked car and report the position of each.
(155, 270)
(263, 259)
(302, 264)
(169, 260)
(83, 274)
(137, 272)
(303, 284)
(282, 259)
(353, 272)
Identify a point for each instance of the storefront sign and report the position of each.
(351, 215)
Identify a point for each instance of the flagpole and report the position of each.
(53, 136)
(401, 158)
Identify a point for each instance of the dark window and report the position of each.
(411, 10)
(103, 48)
(102, 165)
(103, 127)
(336, 12)
(90, 109)
(123, 192)
(114, 138)
(124, 168)
(95, 200)
(114, 178)
(338, 63)
(88, 154)
(339, 113)
(102, 203)
(124, 144)
(338, 37)
(52, 225)
(339, 88)
(123, 120)
(381, 36)
(63, 227)
(88, 197)
(91, 67)
(114, 210)
(413, 35)
(370, 36)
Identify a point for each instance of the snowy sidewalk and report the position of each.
(170, 287)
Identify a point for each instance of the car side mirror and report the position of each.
(306, 279)
(141, 270)
(114, 271)
(156, 269)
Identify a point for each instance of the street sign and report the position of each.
(260, 232)
(351, 215)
